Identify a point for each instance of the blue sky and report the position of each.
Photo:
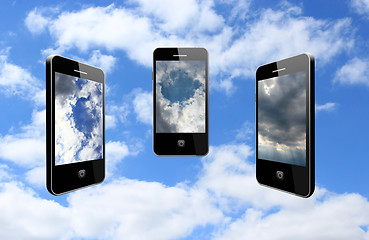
(215, 197)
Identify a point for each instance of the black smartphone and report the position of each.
(180, 77)
(285, 125)
(75, 125)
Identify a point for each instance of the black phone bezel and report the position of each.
(196, 144)
(64, 178)
(298, 180)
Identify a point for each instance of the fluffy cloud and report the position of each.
(116, 114)
(354, 71)
(130, 208)
(142, 210)
(226, 198)
(256, 45)
(197, 16)
(234, 52)
(105, 62)
(142, 105)
(31, 141)
(36, 177)
(110, 122)
(229, 174)
(360, 6)
(35, 21)
(22, 209)
(329, 106)
(97, 59)
(116, 151)
(325, 219)
(4, 173)
(15, 80)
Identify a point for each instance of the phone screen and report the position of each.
(180, 97)
(282, 119)
(78, 119)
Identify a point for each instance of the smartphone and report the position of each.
(75, 125)
(180, 92)
(285, 125)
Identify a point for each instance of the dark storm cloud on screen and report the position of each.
(65, 86)
(282, 119)
(180, 96)
(78, 119)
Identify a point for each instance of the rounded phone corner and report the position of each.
(258, 179)
(309, 56)
(157, 154)
(50, 58)
(204, 154)
(101, 180)
(309, 193)
(156, 50)
(258, 70)
(205, 50)
(102, 72)
(51, 191)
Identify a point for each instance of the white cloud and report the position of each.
(329, 106)
(226, 198)
(233, 51)
(97, 59)
(37, 177)
(226, 85)
(27, 148)
(240, 9)
(141, 210)
(142, 105)
(246, 131)
(361, 6)
(4, 173)
(303, 34)
(130, 208)
(22, 209)
(36, 22)
(110, 122)
(116, 114)
(270, 214)
(105, 62)
(115, 152)
(15, 80)
(178, 16)
(327, 219)
(354, 71)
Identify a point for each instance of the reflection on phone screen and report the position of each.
(78, 119)
(180, 97)
(282, 119)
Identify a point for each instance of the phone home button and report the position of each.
(82, 173)
(279, 175)
(181, 143)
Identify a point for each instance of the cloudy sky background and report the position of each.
(282, 119)
(180, 97)
(78, 119)
(214, 197)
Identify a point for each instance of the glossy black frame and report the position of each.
(298, 180)
(64, 178)
(196, 144)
